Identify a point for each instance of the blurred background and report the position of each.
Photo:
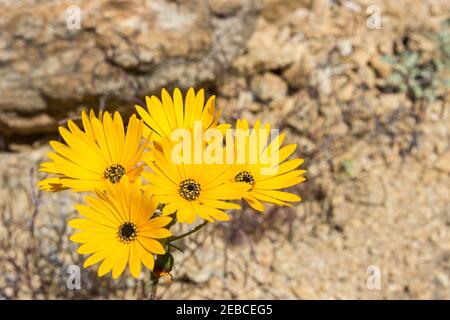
(362, 86)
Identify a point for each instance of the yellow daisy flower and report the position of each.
(119, 228)
(191, 189)
(267, 172)
(98, 156)
(168, 114)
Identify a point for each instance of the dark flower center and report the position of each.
(245, 176)
(127, 232)
(114, 173)
(189, 189)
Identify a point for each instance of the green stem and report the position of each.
(173, 239)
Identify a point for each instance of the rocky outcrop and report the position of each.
(123, 50)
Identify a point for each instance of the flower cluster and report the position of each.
(176, 164)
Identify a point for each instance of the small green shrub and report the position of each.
(423, 78)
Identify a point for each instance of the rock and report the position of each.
(305, 293)
(268, 87)
(270, 48)
(367, 75)
(385, 48)
(224, 7)
(11, 123)
(443, 279)
(124, 49)
(232, 87)
(339, 130)
(361, 57)
(8, 291)
(346, 92)
(355, 7)
(274, 10)
(443, 162)
(245, 101)
(345, 47)
(388, 103)
(382, 68)
(322, 231)
(420, 42)
(21, 99)
(298, 74)
(321, 7)
(320, 78)
(418, 290)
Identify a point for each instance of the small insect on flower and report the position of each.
(169, 114)
(267, 171)
(99, 156)
(191, 189)
(119, 228)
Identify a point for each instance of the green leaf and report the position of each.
(347, 166)
(389, 59)
(403, 87)
(411, 60)
(429, 95)
(395, 79)
(418, 92)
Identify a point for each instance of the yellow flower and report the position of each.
(166, 115)
(119, 228)
(267, 172)
(98, 156)
(191, 189)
